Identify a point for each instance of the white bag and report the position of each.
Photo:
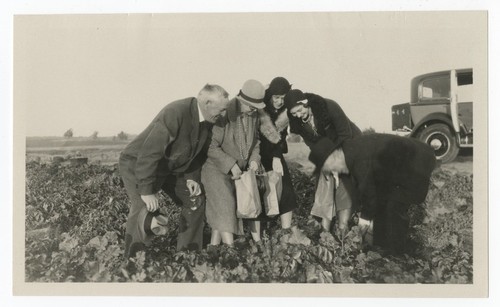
(324, 204)
(247, 196)
(272, 195)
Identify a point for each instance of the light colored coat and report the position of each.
(229, 146)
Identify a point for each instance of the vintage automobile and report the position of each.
(439, 112)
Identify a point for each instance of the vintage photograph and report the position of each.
(252, 148)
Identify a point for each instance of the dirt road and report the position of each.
(462, 164)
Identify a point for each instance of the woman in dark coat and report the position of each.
(273, 133)
(314, 117)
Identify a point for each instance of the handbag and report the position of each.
(324, 203)
(247, 196)
(272, 194)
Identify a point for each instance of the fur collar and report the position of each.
(272, 131)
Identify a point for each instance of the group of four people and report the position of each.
(196, 148)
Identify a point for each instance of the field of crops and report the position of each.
(75, 218)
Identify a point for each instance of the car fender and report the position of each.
(431, 118)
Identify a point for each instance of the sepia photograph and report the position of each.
(157, 153)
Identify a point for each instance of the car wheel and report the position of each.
(440, 137)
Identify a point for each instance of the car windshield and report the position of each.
(436, 88)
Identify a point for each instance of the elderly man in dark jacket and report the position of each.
(390, 173)
(168, 155)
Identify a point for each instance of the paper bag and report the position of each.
(324, 205)
(272, 194)
(247, 196)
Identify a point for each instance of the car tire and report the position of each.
(440, 137)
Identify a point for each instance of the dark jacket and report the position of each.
(169, 145)
(386, 167)
(273, 132)
(329, 119)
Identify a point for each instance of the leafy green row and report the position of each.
(75, 220)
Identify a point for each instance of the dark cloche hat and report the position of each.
(294, 98)
(279, 86)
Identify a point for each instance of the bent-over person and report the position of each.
(390, 174)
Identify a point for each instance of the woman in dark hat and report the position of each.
(273, 133)
(314, 117)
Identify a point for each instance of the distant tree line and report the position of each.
(69, 133)
(95, 135)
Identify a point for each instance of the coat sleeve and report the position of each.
(222, 160)
(255, 154)
(194, 174)
(153, 150)
(367, 189)
(341, 123)
(307, 141)
(281, 147)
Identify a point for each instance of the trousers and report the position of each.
(391, 225)
(138, 234)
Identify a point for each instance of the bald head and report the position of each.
(335, 163)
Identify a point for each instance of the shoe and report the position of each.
(298, 237)
(284, 235)
(213, 251)
(295, 236)
(260, 246)
(229, 256)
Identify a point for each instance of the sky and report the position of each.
(112, 73)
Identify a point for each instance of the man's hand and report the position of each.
(366, 227)
(254, 166)
(363, 223)
(277, 166)
(337, 180)
(151, 201)
(236, 172)
(193, 187)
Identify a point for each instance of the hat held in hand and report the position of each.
(252, 94)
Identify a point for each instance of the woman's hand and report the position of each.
(254, 166)
(236, 172)
(152, 203)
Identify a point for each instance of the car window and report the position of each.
(435, 88)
